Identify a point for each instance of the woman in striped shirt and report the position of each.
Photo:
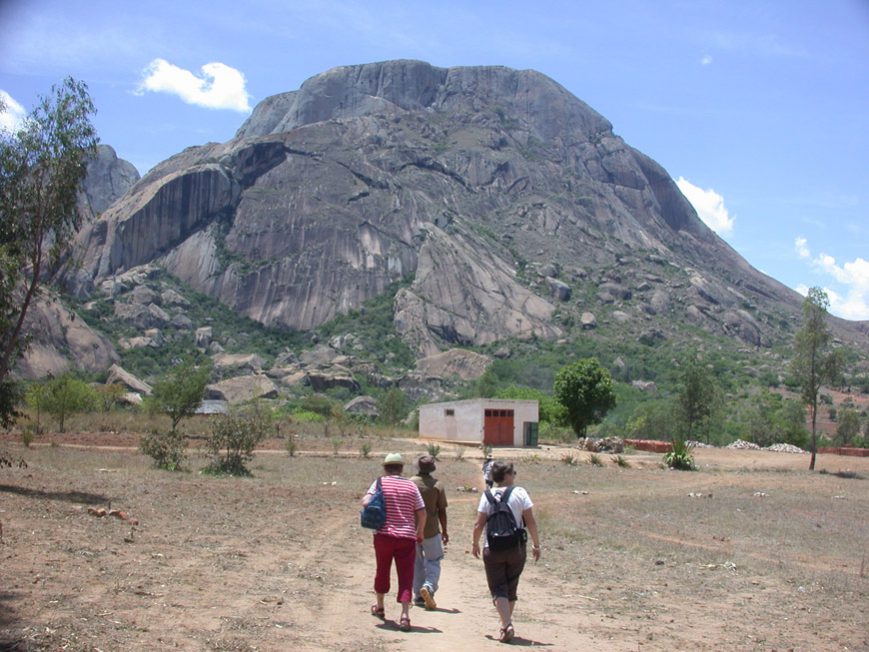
(397, 539)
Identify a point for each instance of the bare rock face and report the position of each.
(461, 363)
(108, 178)
(455, 178)
(59, 337)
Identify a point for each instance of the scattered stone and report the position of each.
(784, 448)
(588, 321)
(741, 444)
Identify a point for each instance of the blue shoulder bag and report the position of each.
(373, 515)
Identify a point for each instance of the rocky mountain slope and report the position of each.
(506, 206)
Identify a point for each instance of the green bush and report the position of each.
(680, 457)
(166, 448)
(232, 441)
(65, 395)
(179, 392)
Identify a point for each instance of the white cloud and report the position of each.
(801, 245)
(852, 276)
(709, 206)
(705, 60)
(13, 114)
(219, 87)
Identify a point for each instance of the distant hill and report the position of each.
(501, 207)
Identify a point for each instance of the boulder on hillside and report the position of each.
(134, 314)
(234, 362)
(419, 387)
(467, 365)
(363, 406)
(202, 337)
(242, 388)
(588, 321)
(61, 341)
(560, 290)
(120, 376)
(320, 356)
(323, 379)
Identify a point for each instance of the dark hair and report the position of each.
(393, 469)
(500, 469)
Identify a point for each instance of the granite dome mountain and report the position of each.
(503, 205)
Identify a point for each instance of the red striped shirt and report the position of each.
(402, 500)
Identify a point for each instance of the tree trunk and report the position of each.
(814, 437)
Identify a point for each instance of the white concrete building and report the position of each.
(489, 421)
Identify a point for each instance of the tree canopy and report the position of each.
(585, 388)
(42, 166)
(180, 391)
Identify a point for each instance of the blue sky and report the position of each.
(759, 109)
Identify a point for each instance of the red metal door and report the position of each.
(498, 428)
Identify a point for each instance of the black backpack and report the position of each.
(502, 532)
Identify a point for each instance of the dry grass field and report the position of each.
(751, 552)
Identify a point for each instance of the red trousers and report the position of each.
(403, 551)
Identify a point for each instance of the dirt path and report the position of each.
(632, 559)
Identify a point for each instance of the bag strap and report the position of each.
(379, 484)
(504, 496)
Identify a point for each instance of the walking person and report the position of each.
(487, 470)
(397, 539)
(504, 567)
(429, 553)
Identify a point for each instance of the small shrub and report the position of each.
(166, 448)
(232, 440)
(434, 450)
(594, 460)
(680, 457)
(365, 449)
(291, 445)
(27, 436)
(620, 461)
(336, 445)
(569, 459)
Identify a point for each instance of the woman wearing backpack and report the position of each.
(504, 566)
(397, 539)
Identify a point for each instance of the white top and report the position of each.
(519, 502)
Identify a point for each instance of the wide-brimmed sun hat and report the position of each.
(393, 458)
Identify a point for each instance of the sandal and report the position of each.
(404, 624)
(507, 633)
(378, 612)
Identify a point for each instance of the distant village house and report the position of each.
(487, 421)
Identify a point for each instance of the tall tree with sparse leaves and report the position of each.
(42, 166)
(815, 362)
(696, 400)
(585, 389)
